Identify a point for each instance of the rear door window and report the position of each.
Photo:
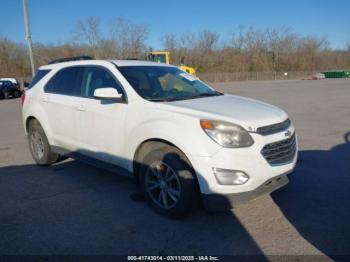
(67, 81)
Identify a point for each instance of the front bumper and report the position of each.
(217, 202)
(264, 177)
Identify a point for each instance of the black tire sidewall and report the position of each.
(184, 171)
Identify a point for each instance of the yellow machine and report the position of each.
(164, 57)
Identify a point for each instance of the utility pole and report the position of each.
(28, 36)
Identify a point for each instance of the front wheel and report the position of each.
(168, 182)
(39, 145)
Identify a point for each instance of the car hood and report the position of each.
(248, 113)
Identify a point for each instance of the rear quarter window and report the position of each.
(38, 76)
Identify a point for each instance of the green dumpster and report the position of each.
(337, 74)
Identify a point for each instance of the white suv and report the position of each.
(181, 139)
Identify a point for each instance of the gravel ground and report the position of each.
(73, 208)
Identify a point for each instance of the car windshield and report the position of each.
(6, 83)
(163, 83)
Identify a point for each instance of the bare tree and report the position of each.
(13, 58)
(235, 40)
(170, 42)
(247, 50)
(207, 41)
(88, 32)
(129, 38)
(125, 39)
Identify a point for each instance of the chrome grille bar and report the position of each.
(280, 152)
(273, 129)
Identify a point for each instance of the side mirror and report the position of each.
(26, 84)
(107, 93)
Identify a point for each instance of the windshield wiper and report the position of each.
(184, 97)
(204, 95)
(208, 94)
(163, 99)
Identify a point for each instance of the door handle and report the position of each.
(81, 108)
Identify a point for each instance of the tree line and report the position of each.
(247, 50)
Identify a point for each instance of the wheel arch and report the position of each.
(27, 121)
(36, 111)
(146, 147)
(44, 127)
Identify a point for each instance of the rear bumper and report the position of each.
(217, 202)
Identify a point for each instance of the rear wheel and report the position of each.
(16, 93)
(39, 145)
(169, 182)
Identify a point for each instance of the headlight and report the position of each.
(227, 134)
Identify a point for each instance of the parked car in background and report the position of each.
(181, 139)
(13, 80)
(9, 89)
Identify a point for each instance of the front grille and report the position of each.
(275, 128)
(280, 152)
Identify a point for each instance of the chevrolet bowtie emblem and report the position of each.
(288, 133)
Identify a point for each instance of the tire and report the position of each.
(16, 94)
(6, 95)
(1, 96)
(168, 182)
(39, 146)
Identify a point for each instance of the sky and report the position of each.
(52, 21)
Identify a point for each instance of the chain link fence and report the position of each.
(255, 76)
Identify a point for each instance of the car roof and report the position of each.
(13, 80)
(137, 63)
(119, 63)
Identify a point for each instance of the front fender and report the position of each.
(185, 133)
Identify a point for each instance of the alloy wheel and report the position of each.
(163, 185)
(37, 145)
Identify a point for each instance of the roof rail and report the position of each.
(67, 59)
(131, 58)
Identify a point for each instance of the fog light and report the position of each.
(230, 177)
